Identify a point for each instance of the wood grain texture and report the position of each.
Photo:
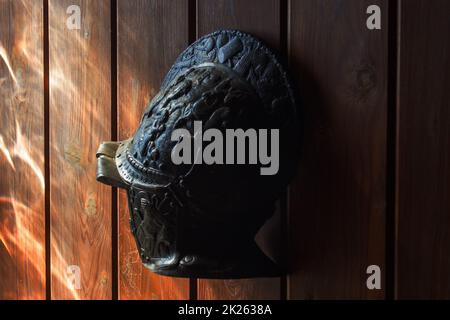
(260, 18)
(151, 34)
(423, 167)
(22, 214)
(337, 202)
(80, 119)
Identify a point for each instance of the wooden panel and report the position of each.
(22, 216)
(424, 151)
(260, 18)
(80, 118)
(151, 34)
(337, 202)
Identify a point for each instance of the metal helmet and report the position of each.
(199, 218)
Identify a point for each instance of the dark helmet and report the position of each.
(199, 219)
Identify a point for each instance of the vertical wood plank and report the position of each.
(151, 34)
(22, 214)
(262, 19)
(80, 117)
(423, 159)
(338, 200)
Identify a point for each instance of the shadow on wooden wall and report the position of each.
(373, 179)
